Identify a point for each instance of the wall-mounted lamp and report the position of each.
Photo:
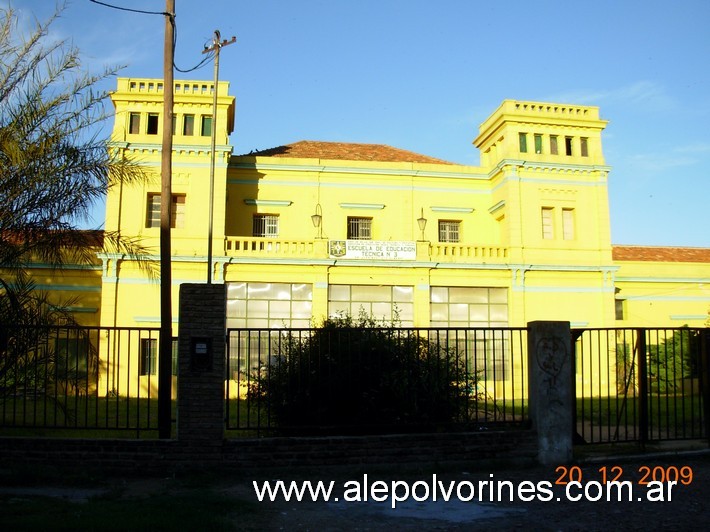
(317, 219)
(422, 223)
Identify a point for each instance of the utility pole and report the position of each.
(165, 351)
(217, 44)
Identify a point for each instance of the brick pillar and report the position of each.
(550, 389)
(201, 359)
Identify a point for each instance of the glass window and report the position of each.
(568, 224)
(449, 230)
(266, 225)
(152, 128)
(553, 145)
(134, 123)
(206, 126)
(359, 228)
(568, 145)
(584, 147)
(177, 216)
(523, 141)
(538, 143)
(188, 125)
(548, 227)
(393, 304)
(148, 356)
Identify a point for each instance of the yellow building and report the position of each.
(311, 229)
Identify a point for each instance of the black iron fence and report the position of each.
(76, 380)
(372, 380)
(640, 385)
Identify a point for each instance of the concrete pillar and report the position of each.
(201, 371)
(550, 386)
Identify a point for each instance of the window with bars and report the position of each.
(449, 230)
(177, 215)
(265, 225)
(359, 228)
(548, 223)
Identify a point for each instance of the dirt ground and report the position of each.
(687, 508)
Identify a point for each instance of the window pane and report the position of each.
(439, 294)
(449, 230)
(265, 225)
(206, 126)
(583, 147)
(339, 292)
(523, 139)
(403, 293)
(538, 143)
(371, 293)
(302, 292)
(553, 144)
(152, 128)
(359, 228)
(134, 126)
(188, 125)
(568, 224)
(547, 224)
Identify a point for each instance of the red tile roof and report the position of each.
(660, 254)
(349, 151)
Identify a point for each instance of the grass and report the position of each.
(81, 416)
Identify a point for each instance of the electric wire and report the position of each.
(209, 57)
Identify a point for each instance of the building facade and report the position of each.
(312, 229)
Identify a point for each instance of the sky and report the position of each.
(422, 75)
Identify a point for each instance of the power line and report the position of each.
(121, 8)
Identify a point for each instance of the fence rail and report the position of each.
(639, 385)
(359, 380)
(69, 378)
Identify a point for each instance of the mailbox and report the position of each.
(201, 353)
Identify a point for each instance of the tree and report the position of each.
(364, 376)
(54, 167)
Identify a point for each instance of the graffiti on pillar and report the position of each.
(551, 354)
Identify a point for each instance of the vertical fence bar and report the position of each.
(643, 386)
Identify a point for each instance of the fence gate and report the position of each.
(639, 385)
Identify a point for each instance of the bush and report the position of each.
(363, 376)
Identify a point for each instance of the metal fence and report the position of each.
(639, 385)
(77, 380)
(371, 380)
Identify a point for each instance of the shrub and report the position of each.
(363, 376)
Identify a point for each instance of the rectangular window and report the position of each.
(265, 225)
(175, 355)
(584, 147)
(188, 125)
(392, 304)
(134, 123)
(568, 224)
(359, 228)
(177, 216)
(149, 356)
(553, 145)
(538, 143)
(152, 124)
(206, 126)
(548, 227)
(523, 140)
(619, 307)
(449, 230)
(568, 145)
(174, 126)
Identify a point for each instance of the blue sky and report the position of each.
(423, 74)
